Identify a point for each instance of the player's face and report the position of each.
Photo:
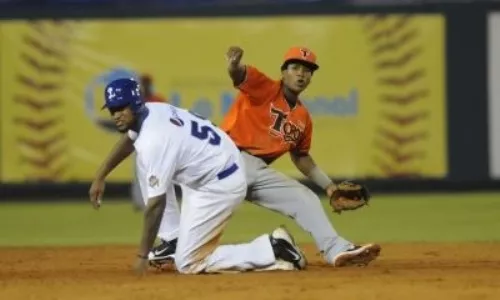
(123, 117)
(297, 77)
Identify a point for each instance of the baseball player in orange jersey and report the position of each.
(266, 121)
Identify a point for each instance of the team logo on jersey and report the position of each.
(290, 132)
(153, 181)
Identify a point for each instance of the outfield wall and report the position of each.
(407, 95)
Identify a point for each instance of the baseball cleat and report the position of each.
(286, 249)
(357, 255)
(163, 253)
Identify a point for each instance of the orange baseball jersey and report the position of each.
(261, 122)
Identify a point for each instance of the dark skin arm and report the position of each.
(152, 219)
(236, 70)
(122, 149)
(305, 164)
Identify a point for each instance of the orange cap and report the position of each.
(301, 54)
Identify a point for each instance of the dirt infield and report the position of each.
(403, 271)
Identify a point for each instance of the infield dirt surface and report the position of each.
(403, 271)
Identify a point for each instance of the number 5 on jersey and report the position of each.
(203, 132)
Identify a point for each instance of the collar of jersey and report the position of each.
(141, 115)
(297, 103)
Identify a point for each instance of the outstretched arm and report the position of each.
(306, 165)
(123, 148)
(236, 70)
(249, 80)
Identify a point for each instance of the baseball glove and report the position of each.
(349, 196)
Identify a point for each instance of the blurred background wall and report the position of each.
(407, 98)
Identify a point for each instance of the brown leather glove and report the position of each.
(349, 196)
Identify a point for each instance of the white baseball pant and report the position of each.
(204, 214)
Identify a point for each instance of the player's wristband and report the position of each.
(320, 178)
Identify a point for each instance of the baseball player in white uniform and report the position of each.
(175, 146)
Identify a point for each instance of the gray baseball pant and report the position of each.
(273, 190)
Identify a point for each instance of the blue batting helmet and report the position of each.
(121, 93)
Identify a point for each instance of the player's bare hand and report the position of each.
(141, 266)
(330, 189)
(96, 191)
(234, 55)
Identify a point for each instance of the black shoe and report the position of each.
(163, 253)
(284, 248)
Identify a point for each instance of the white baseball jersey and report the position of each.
(176, 146)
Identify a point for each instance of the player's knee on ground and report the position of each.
(191, 262)
(187, 266)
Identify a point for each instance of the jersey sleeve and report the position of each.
(305, 142)
(159, 162)
(258, 86)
